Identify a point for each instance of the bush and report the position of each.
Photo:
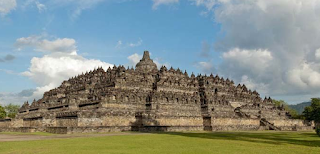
(11, 110)
(2, 113)
(318, 130)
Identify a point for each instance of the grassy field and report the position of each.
(19, 133)
(218, 142)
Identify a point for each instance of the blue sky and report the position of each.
(270, 46)
(168, 32)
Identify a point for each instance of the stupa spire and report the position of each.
(146, 64)
(146, 55)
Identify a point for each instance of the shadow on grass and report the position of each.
(277, 138)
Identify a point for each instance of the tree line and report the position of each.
(310, 113)
(9, 111)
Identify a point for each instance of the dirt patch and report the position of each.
(14, 137)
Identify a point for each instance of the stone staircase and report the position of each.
(269, 125)
(241, 114)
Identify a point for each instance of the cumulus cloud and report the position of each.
(157, 3)
(134, 59)
(60, 62)
(251, 84)
(244, 59)
(54, 68)
(39, 43)
(49, 71)
(6, 6)
(271, 42)
(16, 98)
(317, 54)
(306, 76)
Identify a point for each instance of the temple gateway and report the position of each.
(149, 99)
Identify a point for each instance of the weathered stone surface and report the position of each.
(148, 99)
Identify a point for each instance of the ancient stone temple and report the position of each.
(148, 99)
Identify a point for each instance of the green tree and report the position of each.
(294, 114)
(12, 110)
(313, 112)
(315, 105)
(2, 113)
(307, 113)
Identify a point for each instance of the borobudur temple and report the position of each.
(149, 99)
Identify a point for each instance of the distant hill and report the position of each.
(300, 107)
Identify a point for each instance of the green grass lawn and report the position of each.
(20, 133)
(218, 142)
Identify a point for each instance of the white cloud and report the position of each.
(49, 71)
(136, 44)
(306, 77)
(134, 59)
(317, 54)
(261, 87)
(209, 4)
(157, 3)
(6, 6)
(41, 7)
(75, 7)
(16, 98)
(84, 5)
(205, 67)
(119, 44)
(61, 63)
(272, 42)
(39, 43)
(53, 69)
(244, 59)
(8, 71)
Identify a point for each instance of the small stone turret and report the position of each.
(146, 65)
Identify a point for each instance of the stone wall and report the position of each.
(66, 122)
(229, 124)
(99, 129)
(57, 130)
(5, 123)
(32, 122)
(292, 124)
(23, 129)
(169, 128)
(180, 121)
